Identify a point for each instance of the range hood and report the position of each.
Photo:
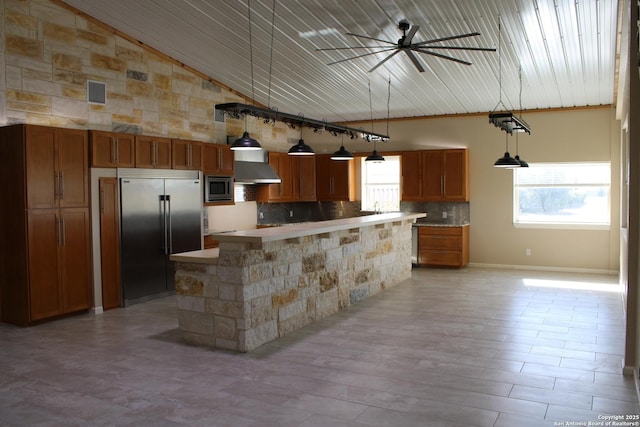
(251, 167)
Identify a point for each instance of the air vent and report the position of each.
(218, 115)
(96, 92)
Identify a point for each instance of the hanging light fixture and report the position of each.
(301, 149)
(245, 142)
(523, 164)
(342, 153)
(374, 156)
(506, 161)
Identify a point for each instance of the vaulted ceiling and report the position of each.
(565, 49)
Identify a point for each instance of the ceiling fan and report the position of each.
(405, 44)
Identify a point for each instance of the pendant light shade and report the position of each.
(245, 143)
(522, 163)
(342, 154)
(374, 157)
(301, 149)
(506, 161)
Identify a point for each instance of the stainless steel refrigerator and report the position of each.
(159, 216)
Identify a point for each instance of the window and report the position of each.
(381, 185)
(562, 194)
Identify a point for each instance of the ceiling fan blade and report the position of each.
(370, 38)
(360, 56)
(410, 34)
(484, 49)
(384, 60)
(450, 58)
(414, 60)
(353, 47)
(443, 39)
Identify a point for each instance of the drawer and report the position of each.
(444, 231)
(441, 242)
(446, 258)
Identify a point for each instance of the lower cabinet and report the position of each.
(58, 265)
(443, 246)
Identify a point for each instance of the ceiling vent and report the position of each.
(96, 92)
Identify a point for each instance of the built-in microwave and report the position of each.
(218, 188)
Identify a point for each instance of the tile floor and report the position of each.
(474, 347)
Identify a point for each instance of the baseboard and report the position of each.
(97, 310)
(632, 370)
(545, 268)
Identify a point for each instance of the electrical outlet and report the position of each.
(261, 215)
(340, 213)
(527, 252)
(444, 215)
(290, 214)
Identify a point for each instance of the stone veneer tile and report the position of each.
(23, 46)
(185, 302)
(199, 323)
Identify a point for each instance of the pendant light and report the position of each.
(301, 149)
(506, 161)
(342, 153)
(374, 156)
(245, 142)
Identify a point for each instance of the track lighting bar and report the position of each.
(237, 110)
(509, 123)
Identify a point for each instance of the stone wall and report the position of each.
(48, 53)
(258, 292)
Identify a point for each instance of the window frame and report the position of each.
(561, 225)
(363, 184)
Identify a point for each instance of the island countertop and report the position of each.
(302, 229)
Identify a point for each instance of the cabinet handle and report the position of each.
(58, 231)
(444, 184)
(154, 154)
(219, 159)
(187, 149)
(102, 195)
(116, 150)
(61, 177)
(63, 233)
(112, 157)
(190, 156)
(56, 185)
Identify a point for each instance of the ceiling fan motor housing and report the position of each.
(403, 25)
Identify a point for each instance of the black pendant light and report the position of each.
(301, 149)
(245, 142)
(374, 157)
(506, 161)
(342, 153)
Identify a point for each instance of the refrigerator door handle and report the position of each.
(169, 228)
(163, 215)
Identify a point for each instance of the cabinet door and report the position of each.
(44, 235)
(153, 152)
(343, 183)
(282, 192)
(110, 243)
(432, 176)
(42, 175)
(186, 155)
(456, 184)
(73, 168)
(304, 177)
(412, 176)
(110, 150)
(74, 259)
(323, 178)
(217, 159)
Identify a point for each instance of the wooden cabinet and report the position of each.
(110, 243)
(217, 159)
(112, 150)
(335, 179)
(435, 175)
(298, 179)
(153, 152)
(186, 154)
(443, 246)
(45, 268)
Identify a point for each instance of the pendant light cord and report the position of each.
(273, 20)
(388, 102)
(253, 98)
(499, 66)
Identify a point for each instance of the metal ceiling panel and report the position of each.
(565, 49)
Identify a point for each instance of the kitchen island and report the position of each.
(265, 283)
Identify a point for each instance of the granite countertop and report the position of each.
(202, 256)
(310, 228)
(440, 224)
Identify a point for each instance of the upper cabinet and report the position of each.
(435, 175)
(153, 152)
(111, 150)
(335, 179)
(217, 159)
(57, 167)
(186, 154)
(298, 176)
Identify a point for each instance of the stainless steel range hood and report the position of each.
(252, 167)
